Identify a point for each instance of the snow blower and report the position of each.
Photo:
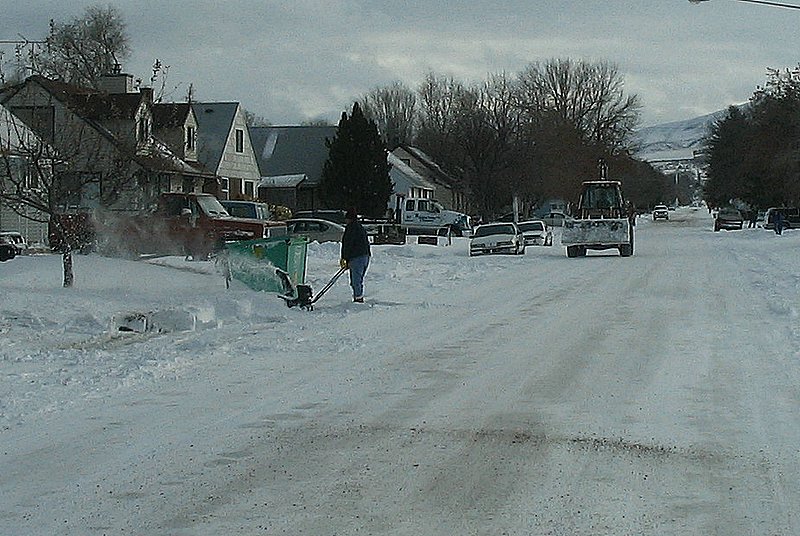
(301, 295)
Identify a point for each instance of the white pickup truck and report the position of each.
(421, 216)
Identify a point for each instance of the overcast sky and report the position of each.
(292, 61)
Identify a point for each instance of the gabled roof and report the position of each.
(292, 150)
(282, 181)
(437, 173)
(15, 136)
(412, 177)
(94, 107)
(170, 114)
(91, 103)
(214, 124)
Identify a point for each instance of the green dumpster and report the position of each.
(260, 263)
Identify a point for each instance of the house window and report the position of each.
(190, 138)
(239, 140)
(142, 130)
(249, 188)
(224, 188)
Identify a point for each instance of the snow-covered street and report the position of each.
(530, 395)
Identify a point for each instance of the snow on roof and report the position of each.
(402, 171)
(282, 181)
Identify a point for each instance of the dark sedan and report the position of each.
(728, 218)
(8, 249)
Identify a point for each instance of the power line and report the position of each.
(762, 2)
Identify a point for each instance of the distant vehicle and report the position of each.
(247, 209)
(315, 229)
(17, 240)
(425, 216)
(660, 212)
(536, 233)
(8, 250)
(728, 218)
(602, 221)
(555, 219)
(336, 216)
(497, 238)
(791, 217)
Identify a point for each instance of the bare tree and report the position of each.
(475, 132)
(44, 177)
(82, 50)
(441, 102)
(255, 120)
(589, 96)
(394, 110)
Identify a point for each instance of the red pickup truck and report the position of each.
(192, 224)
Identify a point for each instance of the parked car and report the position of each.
(660, 212)
(336, 216)
(536, 233)
(17, 240)
(555, 219)
(247, 209)
(497, 238)
(315, 229)
(791, 217)
(8, 250)
(728, 218)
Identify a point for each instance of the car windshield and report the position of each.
(531, 226)
(729, 212)
(212, 206)
(489, 230)
(239, 211)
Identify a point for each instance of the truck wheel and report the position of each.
(626, 250)
(572, 251)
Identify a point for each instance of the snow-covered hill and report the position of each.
(676, 140)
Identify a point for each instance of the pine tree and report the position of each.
(356, 173)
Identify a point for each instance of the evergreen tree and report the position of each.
(729, 156)
(356, 173)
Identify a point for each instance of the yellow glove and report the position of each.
(343, 263)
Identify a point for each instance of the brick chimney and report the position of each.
(116, 83)
(147, 93)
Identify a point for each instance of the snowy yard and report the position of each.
(654, 395)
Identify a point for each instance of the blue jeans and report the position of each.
(358, 267)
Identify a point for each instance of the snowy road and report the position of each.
(652, 395)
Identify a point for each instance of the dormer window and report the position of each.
(239, 140)
(142, 128)
(190, 136)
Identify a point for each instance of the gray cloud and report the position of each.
(307, 59)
